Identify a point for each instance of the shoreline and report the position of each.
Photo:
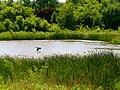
(110, 37)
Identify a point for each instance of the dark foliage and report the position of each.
(45, 13)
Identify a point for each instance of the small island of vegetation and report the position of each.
(50, 19)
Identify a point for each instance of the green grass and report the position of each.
(112, 37)
(97, 71)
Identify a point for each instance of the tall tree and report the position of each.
(26, 2)
(46, 3)
(45, 8)
(9, 2)
(77, 1)
(66, 17)
(111, 16)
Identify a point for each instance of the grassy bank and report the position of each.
(97, 71)
(112, 37)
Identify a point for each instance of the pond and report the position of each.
(28, 48)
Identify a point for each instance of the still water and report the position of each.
(27, 48)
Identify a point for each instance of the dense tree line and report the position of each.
(50, 15)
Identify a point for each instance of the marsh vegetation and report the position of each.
(50, 19)
(111, 37)
(96, 71)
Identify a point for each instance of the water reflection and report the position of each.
(27, 48)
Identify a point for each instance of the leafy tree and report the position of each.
(26, 2)
(35, 23)
(89, 14)
(106, 3)
(2, 28)
(110, 1)
(45, 13)
(111, 16)
(29, 23)
(65, 17)
(46, 3)
(9, 2)
(19, 21)
(7, 13)
(16, 27)
(23, 11)
(16, 10)
(54, 28)
(45, 26)
(75, 1)
(45, 8)
(53, 18)
(2, 6)
(8, 25)
(79, 2)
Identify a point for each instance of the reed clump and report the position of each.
(96, 71)
(112, 37)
